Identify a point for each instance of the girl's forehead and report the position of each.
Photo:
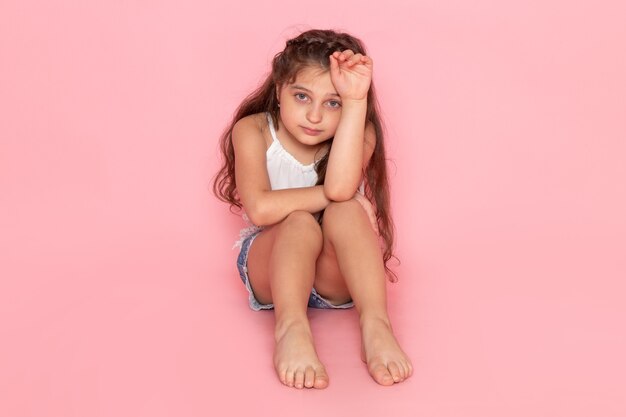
(315, 79)
(310, 72)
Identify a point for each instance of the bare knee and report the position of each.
(344, 213)
(348, 207)
(303, 224)
(301, 219)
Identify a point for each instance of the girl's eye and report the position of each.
(334, 104)
(301, 96)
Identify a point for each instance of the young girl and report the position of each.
(304, 157)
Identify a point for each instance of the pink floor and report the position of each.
(498, 326)
(118, 290)
(494, 327)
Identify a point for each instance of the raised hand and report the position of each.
(351, 74)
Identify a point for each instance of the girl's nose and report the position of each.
(314, 115)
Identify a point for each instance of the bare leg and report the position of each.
(281, 267)
(351, 247)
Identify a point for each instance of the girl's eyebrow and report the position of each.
(299, 87)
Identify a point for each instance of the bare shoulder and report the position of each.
(250, 158)
(249, 127)
(250, 143)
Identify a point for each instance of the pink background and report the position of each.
(507, 135)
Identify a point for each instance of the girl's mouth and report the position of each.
(311, 132)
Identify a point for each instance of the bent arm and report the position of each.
(263, 205)
(351, 75)
(352, 149)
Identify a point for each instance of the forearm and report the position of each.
(270, 207)
(345, 162)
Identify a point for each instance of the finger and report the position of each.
(334, 64)
(355, 59)
(345, 55)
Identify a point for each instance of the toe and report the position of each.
(309, 377)
(282, 375)
(289, 378)
(404, 369)
(299, 379)
(408, 370)
(321, 378)
(395, 371)
(381, 375)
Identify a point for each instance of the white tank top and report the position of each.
(283, 169)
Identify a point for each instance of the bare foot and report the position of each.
(386, 361)
(295, 359)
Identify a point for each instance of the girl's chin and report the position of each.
(311, 141)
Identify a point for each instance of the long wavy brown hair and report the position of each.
(312, 48)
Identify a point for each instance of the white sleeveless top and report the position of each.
(283, 169)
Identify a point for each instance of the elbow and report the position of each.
(338, 193)
(256, 216)
(257, 213)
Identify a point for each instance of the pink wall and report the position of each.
(118, 294)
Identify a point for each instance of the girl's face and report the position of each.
(310, 107)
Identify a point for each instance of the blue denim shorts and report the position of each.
(315, 300)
